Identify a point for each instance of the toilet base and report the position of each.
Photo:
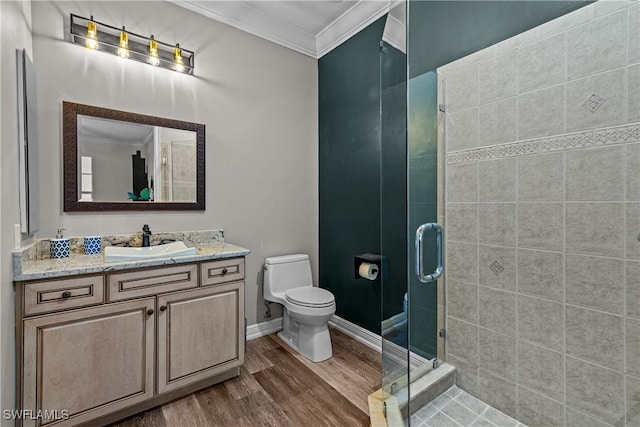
(311, 341)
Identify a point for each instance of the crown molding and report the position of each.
(256, 23)
(349, 24)
(253, 21)
(395, 33)
(116, 142)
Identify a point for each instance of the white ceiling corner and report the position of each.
(350, 23)
(395, 29)
(310, 27)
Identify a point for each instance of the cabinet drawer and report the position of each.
(221, 271)
(153, 281)
(43, 297)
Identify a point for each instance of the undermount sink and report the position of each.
(117, 253)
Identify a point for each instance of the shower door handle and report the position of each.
(420, 259)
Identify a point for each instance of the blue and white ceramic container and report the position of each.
(59, 248)
(92, 245)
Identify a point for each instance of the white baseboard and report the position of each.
(374, 341)
(398, 321)
(356, 332)
(265, 328)
(399, 353)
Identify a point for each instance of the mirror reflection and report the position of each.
(122, 161)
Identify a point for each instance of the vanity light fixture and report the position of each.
(92, 35)
(106, 38)
(177, 58)
(123, 47)
(153, 52)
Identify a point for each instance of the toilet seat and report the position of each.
(309, 296)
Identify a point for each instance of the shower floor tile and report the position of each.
(457, 408)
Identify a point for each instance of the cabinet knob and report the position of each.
(163, 307)
(150, 311)
(224, 271)
(66, 294)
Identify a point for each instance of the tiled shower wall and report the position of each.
(184, 180)
(542, 146)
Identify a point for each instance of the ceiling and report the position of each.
(309, 27)
(93, 129)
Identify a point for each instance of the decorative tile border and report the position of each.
(591, 138)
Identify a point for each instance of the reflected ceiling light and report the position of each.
(118, 41)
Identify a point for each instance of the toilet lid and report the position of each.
(310, 296)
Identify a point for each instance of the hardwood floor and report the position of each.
(279, 387)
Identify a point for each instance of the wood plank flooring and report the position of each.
(279, 387)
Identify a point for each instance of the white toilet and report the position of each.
(307, 309)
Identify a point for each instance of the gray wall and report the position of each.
(542, 218)
(15, 33)
(258, 101)
(111, 168)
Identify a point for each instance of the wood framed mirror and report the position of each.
(120, 161)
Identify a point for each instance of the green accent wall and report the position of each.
(440, 32)
(349, 172)
(363, 153)
(393, 185)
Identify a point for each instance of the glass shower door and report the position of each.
(542, 204)
(393, 244)
(422, 183)
(408, 171)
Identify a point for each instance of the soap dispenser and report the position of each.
(59, 246)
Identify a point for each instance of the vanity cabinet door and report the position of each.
(89, 362)
(200, 334)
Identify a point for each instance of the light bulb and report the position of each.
(123, 48)
(92, 35)
(153, 52)
(177, 58)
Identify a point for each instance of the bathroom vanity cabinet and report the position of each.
(106, 346)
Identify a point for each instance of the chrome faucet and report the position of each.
(146, 232)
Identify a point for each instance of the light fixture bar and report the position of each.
(109, 39)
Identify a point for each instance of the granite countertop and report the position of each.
(33, 262)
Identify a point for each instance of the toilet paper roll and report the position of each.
(368, 271)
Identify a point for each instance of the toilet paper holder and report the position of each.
(370, 258)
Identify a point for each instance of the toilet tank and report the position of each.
(285, 272)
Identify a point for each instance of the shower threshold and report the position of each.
(390, 406)
(457, 408)
(435, 402)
